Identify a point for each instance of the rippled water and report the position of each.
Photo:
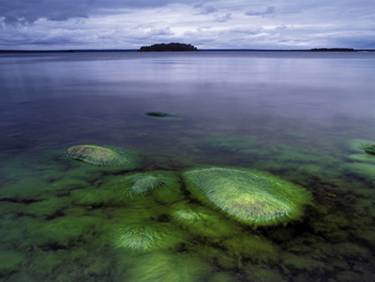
(294, 115)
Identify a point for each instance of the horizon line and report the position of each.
(322, 49)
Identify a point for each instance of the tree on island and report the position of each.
(168, 47)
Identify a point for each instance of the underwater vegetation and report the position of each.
(362, 161)
(250, 197)
(202, 221)
(364, 146)
(10, 261)
(102, 156)
(164, 266)
(143, 184)
(364, 151)
(79, 222)
(147, 237)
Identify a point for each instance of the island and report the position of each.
(170, 47)
(333, 50)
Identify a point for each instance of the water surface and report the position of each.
(290, 114)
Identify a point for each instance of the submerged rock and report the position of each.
(158, 114)
(250, 197)
(102, 156)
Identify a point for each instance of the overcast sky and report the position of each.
(65, 24)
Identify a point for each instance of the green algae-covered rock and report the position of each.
(103, 156)
(163, 267)
(10, 261)
(147, 236)
(250, 197)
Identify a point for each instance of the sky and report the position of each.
(221, 24)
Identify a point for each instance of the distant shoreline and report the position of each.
(317, 50)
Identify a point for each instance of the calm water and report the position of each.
(294, 115)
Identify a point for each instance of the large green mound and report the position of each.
(102, 156)
(250, 197)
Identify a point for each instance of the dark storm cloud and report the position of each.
(31, 10)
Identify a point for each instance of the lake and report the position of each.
(299, 117)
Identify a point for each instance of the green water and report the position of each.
(294, 116)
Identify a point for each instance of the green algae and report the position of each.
(250, 197)
(159, 186)
(62, 232)
(302, 263)
(252, 247)
(48, 207)
(10, 261)
(361, 157)
(143, 184)
(364, 170)
(363, 146)
(163, 267)
(364, 151)
(202, 221)
(262, 274)
(103, 156)
(163, 217)
(243, 144)
(147, 237)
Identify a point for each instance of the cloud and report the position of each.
(28, 10)
(267, 11)
(67, 24)
(205, 9)
(223, 18)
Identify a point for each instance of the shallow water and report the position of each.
(294, 115)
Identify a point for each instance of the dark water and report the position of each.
(294, 115)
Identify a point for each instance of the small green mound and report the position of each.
(162, 186)
(165, 267)
(369, 149)
(147, 237)
(202, 221)
(102, 156)
(143, 184)
(10, 261)
(363, 146)
(250, 197)
(363, 161)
